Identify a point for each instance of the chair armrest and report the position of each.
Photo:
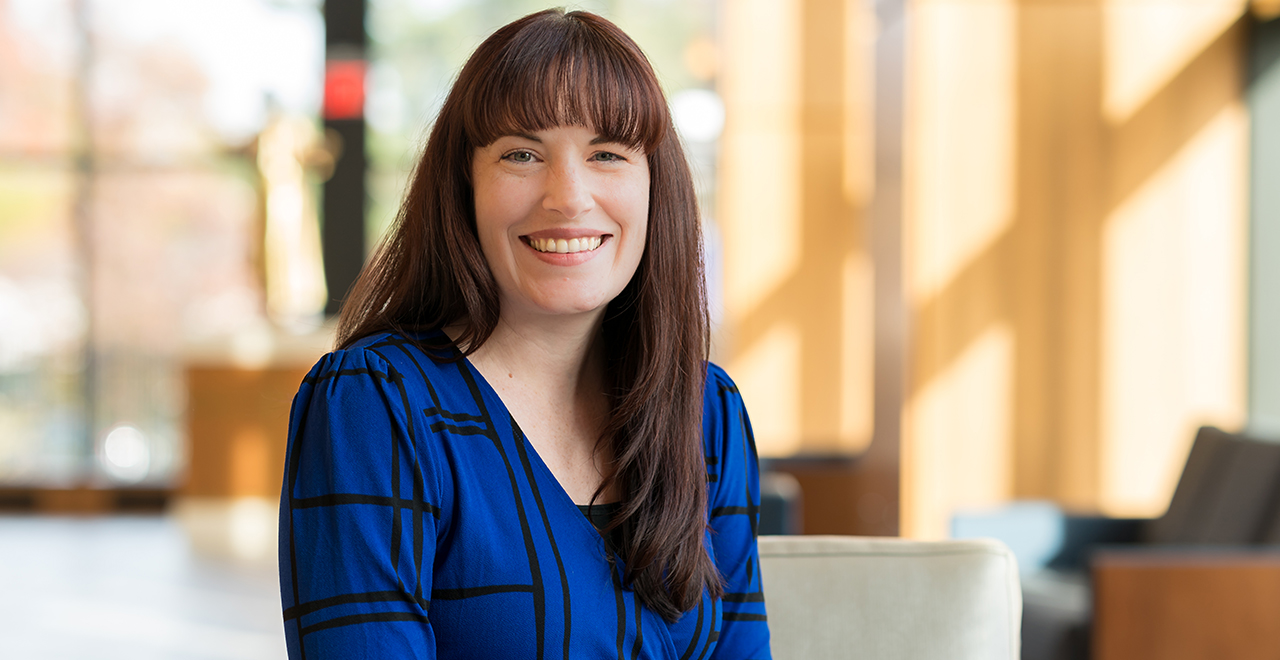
(838, 597)
(781, 504)
(1183, 603)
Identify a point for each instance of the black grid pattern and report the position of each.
(416, 515)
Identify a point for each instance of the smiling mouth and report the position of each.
(565, 246)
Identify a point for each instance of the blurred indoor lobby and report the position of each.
(970, 261)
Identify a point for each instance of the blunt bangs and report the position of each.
(565, 70)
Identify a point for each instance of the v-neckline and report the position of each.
(535, 458)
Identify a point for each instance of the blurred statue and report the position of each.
(294, 270)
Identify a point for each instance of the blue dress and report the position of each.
(417, 521)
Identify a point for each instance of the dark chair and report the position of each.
(781, 504)
(1227, 501)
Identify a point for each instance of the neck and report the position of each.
(560, 356)
(549, 373)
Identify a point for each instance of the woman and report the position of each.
(519, 449)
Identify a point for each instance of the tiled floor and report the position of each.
(129, 587)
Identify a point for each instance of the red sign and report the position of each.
(344, 89)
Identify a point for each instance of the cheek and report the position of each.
(637, 234)
(632, 202)
(639, 204)
(488, 207)
(484, 228)
(496, 208)
(491, 222)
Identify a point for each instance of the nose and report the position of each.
(568, 191)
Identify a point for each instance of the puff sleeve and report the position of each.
(357, 537)
(733, 491)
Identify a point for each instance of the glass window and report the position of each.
(131, 216)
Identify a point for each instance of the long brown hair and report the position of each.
(546, 70)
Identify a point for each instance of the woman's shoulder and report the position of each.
(384, 386)
(721, 393)
(419, 356)
(723, 413)
(718, 379)
(727, 437)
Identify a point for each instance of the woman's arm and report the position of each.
(734, 501)
(357, 539)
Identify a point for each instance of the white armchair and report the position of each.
(834, 597)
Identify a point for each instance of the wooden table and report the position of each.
(1180, 603)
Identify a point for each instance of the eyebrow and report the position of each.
(599, 139)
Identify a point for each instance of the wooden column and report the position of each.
(809, 205)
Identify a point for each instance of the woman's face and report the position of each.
(562, 215)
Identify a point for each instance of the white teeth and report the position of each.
(570, 246)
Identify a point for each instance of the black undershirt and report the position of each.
(600, 515)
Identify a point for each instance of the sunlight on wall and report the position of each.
(768, 375)
(795, 175)
(961, 131)
(960, 137)
(859, 93)
(1173, 315)
(1147, 42)
(958, 452)
(857, 355)
(760, 157)
(857, 323)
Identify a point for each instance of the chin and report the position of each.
(562, 309)
(571, 305)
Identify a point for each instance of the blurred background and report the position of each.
(961, 253)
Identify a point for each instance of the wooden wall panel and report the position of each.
(798, 163)
(1072, 238)
(794, 180)
(1090, 292)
